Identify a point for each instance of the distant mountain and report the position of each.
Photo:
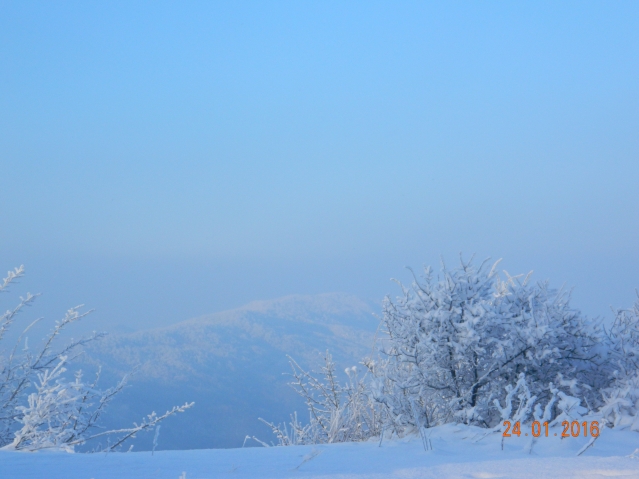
(231, 364)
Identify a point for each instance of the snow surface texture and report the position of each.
(457, 453)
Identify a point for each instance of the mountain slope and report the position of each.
(231, 364)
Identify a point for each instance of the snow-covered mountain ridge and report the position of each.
(232, 365)
(456, 454)
(299, 325)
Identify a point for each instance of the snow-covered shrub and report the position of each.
(522, 407)
(518, 403)
(521, 410)
(455, 341)
(623, 341)
(621, 399)
(569, 408)
(621, 404)
(465, 346)
(337, 412)
(58, 414)
(52, 411)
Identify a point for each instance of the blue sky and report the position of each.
(160, 160)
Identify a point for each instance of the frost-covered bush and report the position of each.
(454, 341)
(621, 404)
(337, 412)
(621, 399)
(521, 410)
(466, 346)
(39, 408)
(623, 341)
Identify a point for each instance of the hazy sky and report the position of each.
(161, 160)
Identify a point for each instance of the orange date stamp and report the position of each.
(571, 429)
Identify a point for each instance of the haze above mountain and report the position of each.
(232, 364)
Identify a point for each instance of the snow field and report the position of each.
(457, 453)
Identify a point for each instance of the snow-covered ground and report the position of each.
(455, 453)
